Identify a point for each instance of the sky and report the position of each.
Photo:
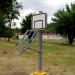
(47, 6)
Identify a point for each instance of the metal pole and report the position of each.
(39, 50)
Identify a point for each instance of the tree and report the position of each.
(2, 26)
(26, 23)
(10, 11)
(64, 21)
(13, 12)
(50, 28)
(4, 31)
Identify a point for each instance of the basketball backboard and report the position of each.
(39, 21)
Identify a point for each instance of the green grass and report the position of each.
(59, 52)
(55, 52)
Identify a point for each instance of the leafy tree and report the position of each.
(26, 23)
(13, 12)
(64, 21)
(2, 26)
(50, 28)
(4, 7)
(2, 30)
(8, 33)
(9, 9)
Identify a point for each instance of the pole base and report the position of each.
(39, 73)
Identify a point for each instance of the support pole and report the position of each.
(39, 50)
(39, 72)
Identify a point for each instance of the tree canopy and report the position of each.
(50, 28)
(64, 21)
(9, 10)
(26, 23)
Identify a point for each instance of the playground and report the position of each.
(58, 58)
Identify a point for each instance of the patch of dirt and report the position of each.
(61, 70)
(19, 73)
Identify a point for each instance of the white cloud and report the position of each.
(48, 6)
(56, 3)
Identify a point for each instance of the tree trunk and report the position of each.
(70, 39)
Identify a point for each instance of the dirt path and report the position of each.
(25, 66)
